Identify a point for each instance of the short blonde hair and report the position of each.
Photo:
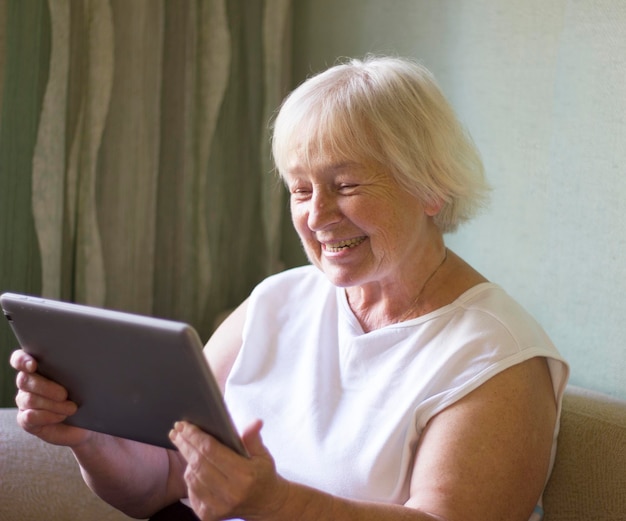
(389, 111)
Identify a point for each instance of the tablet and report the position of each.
(131, 376)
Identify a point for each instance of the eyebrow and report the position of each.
(332, 168)
(343, 165)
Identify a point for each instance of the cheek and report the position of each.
(298, 219)
(390, 229)
(309, 244)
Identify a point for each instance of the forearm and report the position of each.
(252, 490)
(307, 504)
(135, 478)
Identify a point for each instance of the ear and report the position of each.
(433, 207)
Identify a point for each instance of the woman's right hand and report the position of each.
(43, 405)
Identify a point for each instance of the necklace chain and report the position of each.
(421, 292)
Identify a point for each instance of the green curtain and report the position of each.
(135, 167)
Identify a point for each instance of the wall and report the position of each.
(542, 88)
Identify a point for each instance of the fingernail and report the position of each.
(172, 435)
(30, 365)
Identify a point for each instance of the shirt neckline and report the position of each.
(456, 303)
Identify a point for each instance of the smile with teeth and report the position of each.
(341, 245)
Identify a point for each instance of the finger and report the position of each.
(39, 385)
(33, 420)
(192, 434)
(22, 361)
(199, 440)
(203, 453)
(29, 401)
(49, 428)
(200, 471)
(179, 442)
(187, 449)
(38, 393)
(253, 440)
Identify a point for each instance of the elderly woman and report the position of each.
(390, 380)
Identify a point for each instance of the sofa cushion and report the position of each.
(41, 481)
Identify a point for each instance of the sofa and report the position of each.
(40, 481)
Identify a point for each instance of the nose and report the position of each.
(323, 210)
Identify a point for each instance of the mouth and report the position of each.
(334, 247)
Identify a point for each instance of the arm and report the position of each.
(136, 478)
(485, 457)
(223, 347)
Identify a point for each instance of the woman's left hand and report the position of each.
(223, 484)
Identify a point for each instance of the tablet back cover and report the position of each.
(131, 376)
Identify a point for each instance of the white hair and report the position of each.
(389, 111)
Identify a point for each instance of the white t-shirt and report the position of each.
(343, 410)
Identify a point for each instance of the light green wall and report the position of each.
(542, 88)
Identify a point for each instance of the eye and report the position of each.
(348, 188)
(299, 193)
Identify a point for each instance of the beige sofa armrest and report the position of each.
(589, 477)
(41, 481)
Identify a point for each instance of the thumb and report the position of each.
(252, 439)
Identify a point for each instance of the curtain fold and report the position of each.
(134, 157)
(3, 14)
(48, 170)
(276, 74)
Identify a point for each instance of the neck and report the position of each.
(414, 307)
(376, 306)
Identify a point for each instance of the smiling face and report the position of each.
(356, 223)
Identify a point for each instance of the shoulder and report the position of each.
(490, 311)
(481, 334)
(480, 304)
